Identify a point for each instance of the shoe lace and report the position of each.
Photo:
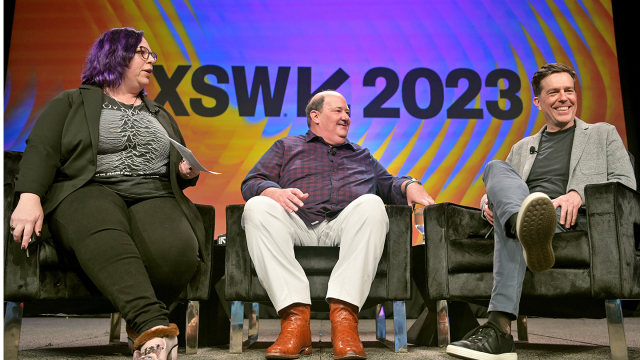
(483, 333)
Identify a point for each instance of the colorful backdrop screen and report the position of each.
(436, 88)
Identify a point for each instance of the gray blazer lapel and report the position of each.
(92, 97)
(535, 142)
(579, 142)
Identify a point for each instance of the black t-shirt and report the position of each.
(133, 152)
(550, 170)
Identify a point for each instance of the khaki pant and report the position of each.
(272, 232)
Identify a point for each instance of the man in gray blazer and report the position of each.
(537, 192)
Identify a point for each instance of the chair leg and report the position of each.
(254, 323)
(381, 325)
(400, 326)
(617, 339)
(444, 331)
(192, 327)
(237, 321)
(12, 327)
(423, 331)
(523, 332)
(114, 328)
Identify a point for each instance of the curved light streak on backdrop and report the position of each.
(51, 38)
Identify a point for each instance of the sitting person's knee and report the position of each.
(373, 205)
(258, 207)
(493, 165)
(260, 203)
(370, 200)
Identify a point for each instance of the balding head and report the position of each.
(316, 103)
(328, 116)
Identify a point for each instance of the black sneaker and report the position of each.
(484, 342)
(536, 226)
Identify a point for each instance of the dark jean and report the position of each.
(140, 255)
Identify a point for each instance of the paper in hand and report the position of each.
(188, 156)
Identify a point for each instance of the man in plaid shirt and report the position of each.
(320, 189)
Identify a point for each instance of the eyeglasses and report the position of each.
(144, 52)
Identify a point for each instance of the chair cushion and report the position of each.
(320, 260)
(318, 286)
(476, 254)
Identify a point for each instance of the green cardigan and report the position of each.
(62, 148)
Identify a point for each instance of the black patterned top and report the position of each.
(133, 151)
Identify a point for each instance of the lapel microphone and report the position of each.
(333, 151)
(532, 150)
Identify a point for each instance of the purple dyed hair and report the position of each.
(110, 56)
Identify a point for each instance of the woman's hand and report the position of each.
(26, 219)
(186, 171)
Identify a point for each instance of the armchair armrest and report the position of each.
(199, 287)
(20, 272)
(237, 260)
(444, 222)
(613, 219)
(399, 242)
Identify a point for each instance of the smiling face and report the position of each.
(332, 123)
(558, 101)
(138, 75)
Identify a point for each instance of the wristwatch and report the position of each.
(413, 180)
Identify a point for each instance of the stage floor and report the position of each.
(73, 337)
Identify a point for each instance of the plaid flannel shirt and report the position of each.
(332, 179)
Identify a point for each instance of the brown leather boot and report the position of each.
(295, 333)
(344, 331)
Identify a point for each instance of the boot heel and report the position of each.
(306, 350)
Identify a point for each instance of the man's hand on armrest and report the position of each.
(416, 194)
(289, 199)
(569, 203)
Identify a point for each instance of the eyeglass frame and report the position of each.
(149, 52)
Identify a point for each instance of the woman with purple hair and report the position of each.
(99, 172)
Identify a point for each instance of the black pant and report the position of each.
(139, 255)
